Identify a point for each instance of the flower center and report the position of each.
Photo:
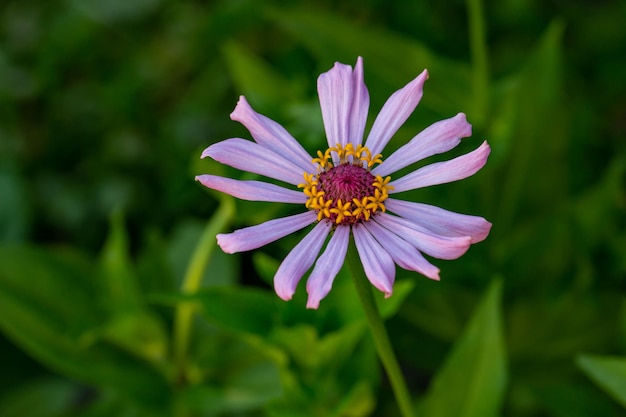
(344, 190)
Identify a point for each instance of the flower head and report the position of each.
(346, 189)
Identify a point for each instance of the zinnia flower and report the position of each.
(347, 188)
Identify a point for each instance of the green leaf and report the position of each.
(472, 381)
(49, 397)
(120, 291)
(241, 378)
(130, 324)
(13, 208)
(240, 309)
(391, 58)
(360, 401)
(607, 372)
(47, 308)
(388, 307)
(535, 118)
(262, 86)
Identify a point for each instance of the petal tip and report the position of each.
(224, 243)
(482, 233)
(236, 113)
(435, 275)
(206, 152)
(284, 293)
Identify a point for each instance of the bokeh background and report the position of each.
(105, 108)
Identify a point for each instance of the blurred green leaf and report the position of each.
(221, 268)
(120, 291)
(607, 372)
(254, 78)
(390, 57)
(242, 385)
(472, 381)
(47, 308)
(240, 309)
(13, 208)
(573, 399)
(49, 397)
(265, 266)
(130, 324)
(536, 119)
(360, 401)
(114, 10)
(337, 347)
(556, 329)
(388, 307)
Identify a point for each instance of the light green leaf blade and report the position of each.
(120, 291)
(607, 372)
(472, 381)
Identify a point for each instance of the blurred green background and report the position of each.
(105, 108)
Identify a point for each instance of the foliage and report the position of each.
(105, 108)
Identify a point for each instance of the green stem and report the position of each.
(379, 333)
(480, 66)
(192, 282)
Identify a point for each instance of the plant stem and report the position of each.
(192, 283)
(379, 333)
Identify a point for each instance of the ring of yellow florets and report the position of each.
(344, 190)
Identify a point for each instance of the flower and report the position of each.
(347, 188)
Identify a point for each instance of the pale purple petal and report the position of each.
(299, 260)
(441, 247)
(252, 157)
(443, 172)
(252, 190)
(394, 113)
(402, 252)
(327, 266)
(437, 138)
(271, 135)
(377, 263)
(360, 105)
(335, 90)
(439, 221)
(254, 237)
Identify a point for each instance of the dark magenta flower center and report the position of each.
(346, 182)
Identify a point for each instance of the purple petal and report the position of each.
(402, 252)
(252, 190)
(441, 247)
(394, 113)
(327, 267)
(254, 237)
(299, 260)
(443, 172)
(377, 264)
(271, 135)
(439, 221)
(335, 90)
(438, 138)
(252, 157)
(360, 105)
